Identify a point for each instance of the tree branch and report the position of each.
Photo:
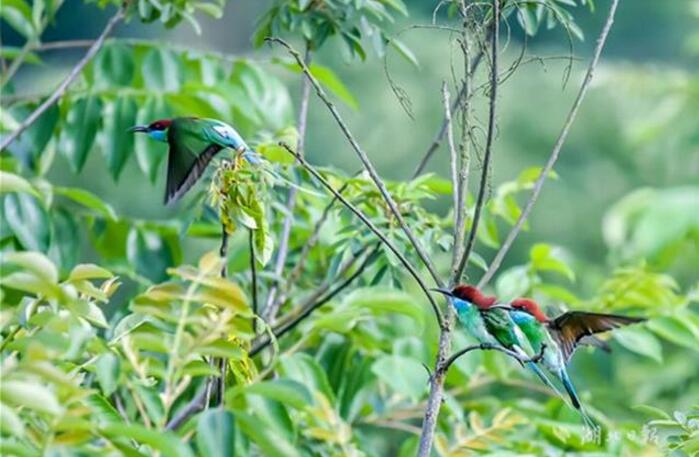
(274, 302)
(365, 161)
(60, 90)
(371, 227)
(253, 272)
(507, 244)
(488, 142)
(491, 347)
(439, 136)
(311, 307)
(434, 400)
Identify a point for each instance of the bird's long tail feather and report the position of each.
(537, 371)
(575, 400)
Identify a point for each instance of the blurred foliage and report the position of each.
(109, 318)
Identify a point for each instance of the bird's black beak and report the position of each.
(506, 307)
(446, 292)
(139, 128)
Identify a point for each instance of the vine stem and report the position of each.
(61, 89)
(371, 170)
(560, 141)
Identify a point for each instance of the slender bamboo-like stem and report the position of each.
(413, 272)
(560, 141)
(61, 89)
(367, 165)
(274, 302)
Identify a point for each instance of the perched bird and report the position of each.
(489, 324)
(561, 336)
(193, 143)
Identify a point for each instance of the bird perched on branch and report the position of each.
(561, 336)
(490, 324)
(193, 143)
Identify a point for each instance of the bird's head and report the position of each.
(156, 130)
(469, 294)
(529, 306)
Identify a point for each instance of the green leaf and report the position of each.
(329, 79)
(107, 371)
(18, 14)
(65, 239)
(167, 443)
(79, 130)
(652, 411)
(88, 200)
(149, 254)
(404, 51)
(30, 144)
(216, 433)
(114, 66)
(381, 301)
(118, 143)
(35, 262)
(150, 153)
(162, 70)
(271, 443)
(10, 422)
(10, 182)
(639, 340)
(30, 395)
(404, 375)
(285, 391)
(29, 221)
(89, 271)
(677, 330)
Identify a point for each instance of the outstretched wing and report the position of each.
(190, 152)
(569, 328)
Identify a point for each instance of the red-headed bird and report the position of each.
(561, 336)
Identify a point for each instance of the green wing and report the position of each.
(500, 325)
(190, 152)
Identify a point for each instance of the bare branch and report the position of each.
(439, 136)
(311, 307)
(507, 244)
(488, 142)
(61, 89)
(273, 303)
(371, 227)
(253, 273)
(492, 347)
(365, 161)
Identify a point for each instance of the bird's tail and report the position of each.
(575, 400)
(537, 371)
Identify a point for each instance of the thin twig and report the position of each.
(480, 200)
(253, 273)
(309, 309)
(439, 136)
(453, 158)
(60, 90)
(491, 347)
(196, 405)
(274, 302)
(507, 244)
(371, 227)
(367, 165)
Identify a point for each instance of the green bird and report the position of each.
(562, 336)
(193, 142)
(489, 324)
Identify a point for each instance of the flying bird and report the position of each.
(562, 335)
(193, 142)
